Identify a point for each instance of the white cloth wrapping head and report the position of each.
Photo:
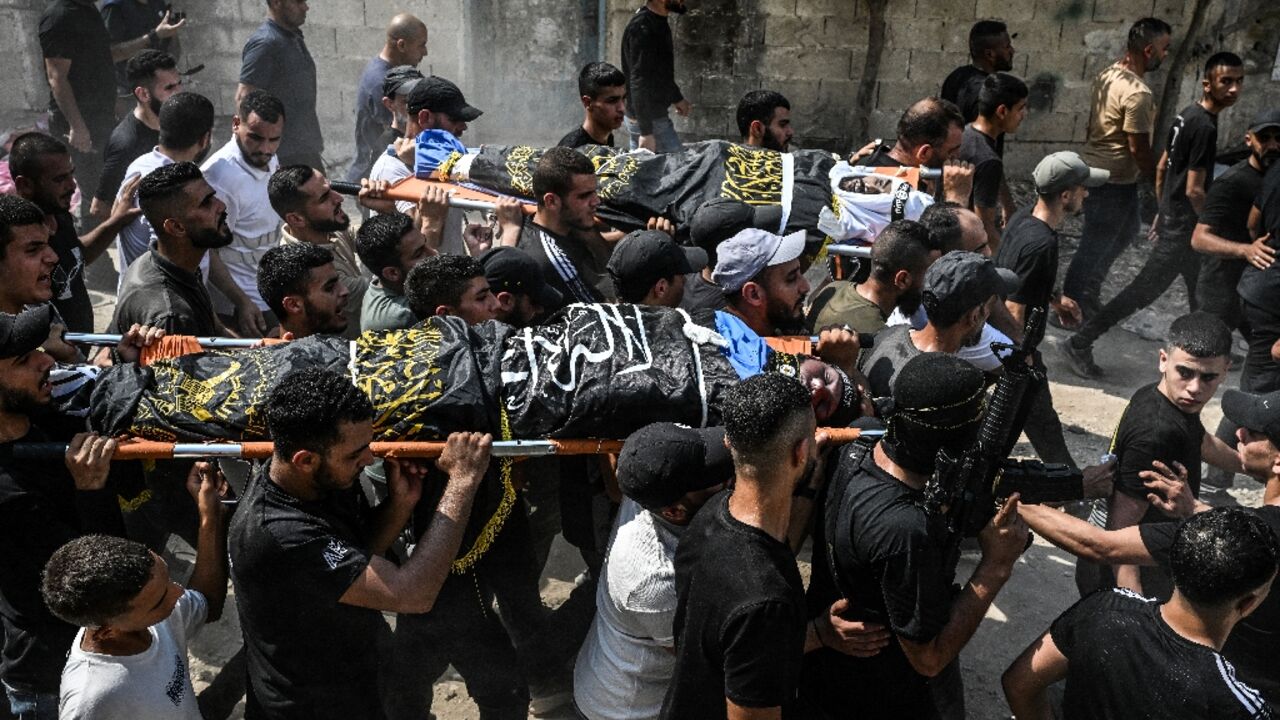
(869, 201)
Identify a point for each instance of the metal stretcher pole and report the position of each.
(151, 450)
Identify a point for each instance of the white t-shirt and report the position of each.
(390, 168)
(626, 664)
(152, 685)
(136, 237)
(253, 222)
(980, 356)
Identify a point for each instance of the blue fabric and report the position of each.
(31, 705)
(434, 147)
(747, 352)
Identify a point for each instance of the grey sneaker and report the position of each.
(1081, 359)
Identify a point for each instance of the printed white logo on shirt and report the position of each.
(334, 552)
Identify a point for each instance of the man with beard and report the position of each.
(153, 78)
(164, 288)
(186, 127)
(991, 51)
(302, 287)
(877, 547)
(312, 213)
(649, 63)
(930, 133)
(523, 295)
(764, 120)
(561, 236)
(1118, 140)
(900, 255)
(43, 505)
(1182, 176)
(44, 174)
(311, 582)
(959, 292)
(239, 172)
(603, 91)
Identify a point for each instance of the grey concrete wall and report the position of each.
(518, 60)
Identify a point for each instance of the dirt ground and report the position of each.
(1042, 585)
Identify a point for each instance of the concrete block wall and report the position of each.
(812, 51)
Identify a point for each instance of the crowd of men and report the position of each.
(692, 604)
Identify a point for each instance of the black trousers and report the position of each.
(1170, 257)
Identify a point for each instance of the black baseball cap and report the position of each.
(968, 279)
(511, 270)
(662, 462)
(24, 332)
(1259, 413)
(400, 80)
(1269, 117)
(645, 256)
(720, 219)
(436, 94)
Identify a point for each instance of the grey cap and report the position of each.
(747, 254)
(1064, 170)
(968, 279)
(1269, 117)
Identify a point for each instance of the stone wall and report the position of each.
(518, 60)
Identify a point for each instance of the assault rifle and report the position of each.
(963, 493)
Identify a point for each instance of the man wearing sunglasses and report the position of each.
(1162, 422)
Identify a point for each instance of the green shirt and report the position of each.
(382, 310)
(839, 303)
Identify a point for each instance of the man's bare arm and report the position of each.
(58, 70)
(1085, 540)
(1140, 149)
(1196, 192)
(1161, 165)
(990, 224)
(1124, 511)
(737, 712)
(1258, 253)
(1219, 454)
(1026, 680)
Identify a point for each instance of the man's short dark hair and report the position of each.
(556, 170)
(284, 189)
(15, 212)
(185, 118)
(902, 245)
(306, 408)
(160, 188)
(439, 280)
(1000, 88)
(1222, 59)
(28, 149)
(928, 122)
(1200, 335)
(942, 221)
(759, 105)
(597, 76)
(763, 417)
(286, 269)
(263, 104)
(984, 35)
(1145, 32)
(141, 68)
(378, 241)
(92, 579)
(1221, 554)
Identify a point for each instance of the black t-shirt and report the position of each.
(962, 87)
(129, 141)
(73, 30)
(1030, 248)
(739, 622)
(70, 296)
(978, 148)
(40, 511)
(309, 655)
(702, 294)
(568, 264)
(1153, 428)
(579, 137)
(1251, 646)
(892, 349)
(1126, 662)
(891, 568)
(1192, 145)
(1226, 213)
(1262, 287)
(128, 20)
